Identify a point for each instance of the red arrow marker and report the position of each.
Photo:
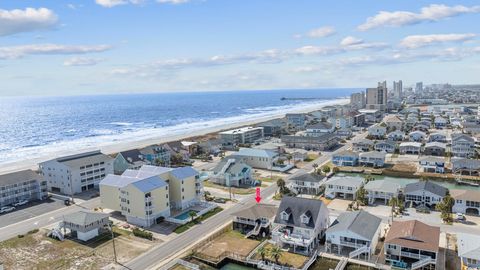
(258, 197)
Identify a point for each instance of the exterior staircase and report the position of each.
(227, 165)
(422, 263)
(342, 264)
(358, 251)
(56, 233)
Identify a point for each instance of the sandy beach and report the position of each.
(132, 143)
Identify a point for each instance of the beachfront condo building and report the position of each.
(141, 197)
(76, 173)
(377, 97)
(357, 100)
(247, 135)
(144, 195)
(20, 186)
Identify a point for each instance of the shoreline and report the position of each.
(115, 147)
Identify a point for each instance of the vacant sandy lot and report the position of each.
(230, 241)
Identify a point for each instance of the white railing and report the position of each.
(423, 262)
(413, 255)
(352, 244)
(358, 251)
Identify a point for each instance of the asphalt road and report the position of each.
(177, 245)
(31, 210)
(42, 220)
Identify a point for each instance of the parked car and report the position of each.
(460, 217)
(6, 209)
(20, 203)
(219, 200)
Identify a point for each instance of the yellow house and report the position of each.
(140, 197)
(185, 186)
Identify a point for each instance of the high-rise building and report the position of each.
(377, 97)
(398, 89)
(357, 100)
(419, 87)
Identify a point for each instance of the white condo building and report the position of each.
(77, 173)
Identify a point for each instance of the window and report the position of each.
(285, 215)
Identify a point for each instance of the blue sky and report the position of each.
(129, 46)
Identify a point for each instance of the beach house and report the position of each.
(412, 245)
(300, 224)
(468, 246)
(463, 146)
(437, 137)
(396, 135)
(377, 131)
(410, 148)
(382, 190)
(255, 221)
(432, 164)
(354, 234)
(128, 160)
(156, 154)
(296, 120)
(76, 173)
(85, 225)
(466, 201)
(362, 145)
(25, 185)
(318, 143)
(424, 193)
(256, 158)
(435, 149)
(417, 136)
(465, 166)
(319, 128)
(344, 187)
(393, 122)
(345, 158)
(231, 172)
(303, 182)
(372, 159)
(385, 146)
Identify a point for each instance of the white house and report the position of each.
(463, 146)
(425, 193)
(417, 136)
(377, 131)
(411, 148)
(469, 251)
(300, 224)
(466, 201)
(396, 135)
(386, 146)
(381, 190)
(432, 164)
(354, 234)
(256, 158)
(437, 137)
(440, 122)
(393, 122)
(343, 186)
(372, 159)
(232, 173)
(76, 173)
(303, 182)
(84, 224)
(319, 129)
(362, 145)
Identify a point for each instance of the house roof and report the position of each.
(149, 184)
(320, 125)
(383, 185)
(133, 155)
(427, 186)
(414, 144)
(184, 172)
(255, 153)
(84, 217)
(19, 177)
(302, 175)
(144, 182)
(392, 143)
(465, 162)
(363, 141)
(84, 158)
(235, 168)
(468, 245)
(465, 194)
(257, 211)
(414, 234)
(373, 154)
(360, 222)
(347, 153)
(436, 144)
(154, 169)
(346, 181)
(417, 132)
(432, 159)
(459, 136)
(296, 207)
(392, 118)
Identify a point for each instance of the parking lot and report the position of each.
(30, 210)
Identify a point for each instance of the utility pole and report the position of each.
(113, 243)
(71, 187)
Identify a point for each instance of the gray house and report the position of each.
(372, 159)
(255, 221)
(386, 146)
(435, 149)
(306, 183)
(424, 193)
(85, 224)
(129, 160)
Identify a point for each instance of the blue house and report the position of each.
(345, 158)
(156, 154)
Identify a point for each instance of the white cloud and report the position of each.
(317, 50)
(305, 69)
(81, 61)
(14, 52)
(348, 41)
(430, 13)
(321, 32)
(113, 3)
(416, 41)
(27, 20)
(174, 2)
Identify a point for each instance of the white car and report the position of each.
(6, 209)
(22, 202)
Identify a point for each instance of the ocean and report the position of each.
(33, 126)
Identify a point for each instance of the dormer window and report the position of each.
(285, 215)
(305, 218)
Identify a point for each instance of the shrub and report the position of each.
(20, 236)
(33, 231)
(142, 233)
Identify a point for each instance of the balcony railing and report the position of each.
(352, 244)
(413, 255)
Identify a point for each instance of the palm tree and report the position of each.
(276, 253)
(394, 202)
(192, 215)
(289, 158)
(315, 166)
(262, 251)
(281, 185)
(445, 207)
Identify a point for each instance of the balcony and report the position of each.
(413, 255)
(352, 244)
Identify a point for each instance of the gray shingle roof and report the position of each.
(427, 186)
(235, 168)
(134, 155)
(383, 186)
(257, 211)
(302, 175)
(84, 158)
(468, 246)
(84, 217)
(297, 206)
(183, 172)
(360, 222)
(19, 177)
